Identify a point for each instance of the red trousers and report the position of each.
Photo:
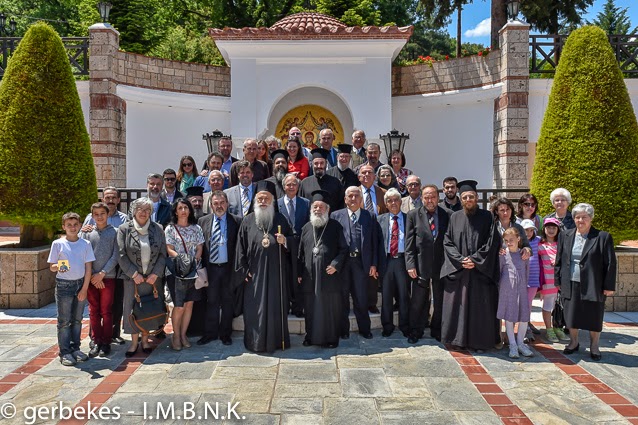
(101, 312)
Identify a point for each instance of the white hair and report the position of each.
(140, 203)
(560, 192)
(583, 208)
(391, 193)
(291, 175)
(352, 188)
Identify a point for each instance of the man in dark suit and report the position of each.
(170, 192)
(326, 138)
(342, 171)
(360, 229)
(220, 232)
(240, 197)
(392, 260)
(161, 208)
(424, 236)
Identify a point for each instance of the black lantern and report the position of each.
(104, 8)
(3, 25)
(212, 140)
(512, 9)
(393, 141)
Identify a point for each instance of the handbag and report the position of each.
(150, 314)
(202, 278)
(558, 317)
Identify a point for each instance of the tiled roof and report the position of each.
(302, 26)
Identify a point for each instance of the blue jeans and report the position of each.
(70, 312)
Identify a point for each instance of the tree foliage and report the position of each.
(614, 20)
(553, 16)
(589, 136)
(46, 167)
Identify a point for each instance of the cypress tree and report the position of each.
(589, 136)
(46, 167)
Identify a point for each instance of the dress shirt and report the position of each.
(226, 166)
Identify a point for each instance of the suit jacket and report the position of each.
(302, 213)
(178, 194)
(597, 265)
(234, 200)
(379, 193)
(369, 235)
(406, 204)
(384, 239)
(130, 253)
(358, 159)
(333, 161)
(232, 228)
(423, 252)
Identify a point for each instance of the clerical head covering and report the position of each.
(266, 186)
(344, 148)
(467, 186)
(279, 153)
(194, 191)
(320, 195)
(319, 153)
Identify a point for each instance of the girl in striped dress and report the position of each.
(547, 249)
(534, 280)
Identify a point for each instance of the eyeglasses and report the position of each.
(529, 204)
(187, 164)
(413, 184)
(169, 179)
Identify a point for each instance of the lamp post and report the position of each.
(512, 10)
(212, 140)
(4, 30)
(393, 141)
(104, 8)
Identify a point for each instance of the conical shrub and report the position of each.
(589, 137)
(46, 168)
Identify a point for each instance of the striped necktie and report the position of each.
(215, 239)
(245, 201)
(291, 213)
(369, 205)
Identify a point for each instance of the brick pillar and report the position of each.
(511, 109)
(107, 116)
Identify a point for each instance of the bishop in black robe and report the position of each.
(322, 254)
(261, 262)
(470, 297)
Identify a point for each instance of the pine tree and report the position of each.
(46, 167)
(614, 20)
(589, 136)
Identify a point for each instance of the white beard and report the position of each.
(318, 221)
(265, 217)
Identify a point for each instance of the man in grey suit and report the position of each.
(240, 197)
(413, 200)
(220, 233)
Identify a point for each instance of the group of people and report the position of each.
(305, 232)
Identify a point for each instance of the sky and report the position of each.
(475, 20)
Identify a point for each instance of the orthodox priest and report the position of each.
(470, 275)
(321, 181)
(263, 243)
(322, 253)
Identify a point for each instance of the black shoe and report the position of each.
(226, 340)
(366, 335)
(331, 345)
(568, 350)
(306, 343)
(395, 307)
(373, 310)
(161, 335)
(132, 353)
(386, 333)
(596, 357)
(533, 328)
(105, 350)
(118, 340)
(345, 335)
(413, 340)
(94, 351)
(205, 340)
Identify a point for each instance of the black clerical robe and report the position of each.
(263, 314)
(330, 184)
(321, 291)
(470, 297)
(347, 177)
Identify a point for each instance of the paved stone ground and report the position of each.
(378, 381)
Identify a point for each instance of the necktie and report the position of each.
(394, 239)
(432, 225)
(291, 213)
(245, 201)
(369, 205)
(353, 217)
(416, 203)
(215, 239)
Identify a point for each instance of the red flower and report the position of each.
(447, 57)
(480, 53)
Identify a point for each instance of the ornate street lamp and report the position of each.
(212, 140)
(393, 141)
(7, 32)
(104, 8)
(512, 9)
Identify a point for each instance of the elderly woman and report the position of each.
(386, 178)
(183, 236)
(585, 271)
(142, 250)
(528, 210)
(560, 199)
(397, 160)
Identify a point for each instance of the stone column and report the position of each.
(107, 116)
(511, 109)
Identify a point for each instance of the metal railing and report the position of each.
(77, 49)
(545, 52)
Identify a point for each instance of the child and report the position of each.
(513, 306)
(534, 281)
(547, 249)
(71, 286)
(103, 239)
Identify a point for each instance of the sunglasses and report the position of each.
(187, 164)
(169, 179)
(529, 204)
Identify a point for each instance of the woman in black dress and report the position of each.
(585, 272)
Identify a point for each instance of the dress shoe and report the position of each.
(345, 335)
(226, 340)
(205, 340)
(366, 335)
(373, 310)
(534, 329)
(568, 350)
(386, 333)
(132, 353)
(331, 345)
(412, 339)
(306, 343)
(118, 340)
(395, 307)
(596, 356)
(147, 350)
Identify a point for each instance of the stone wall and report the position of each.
(442, 76)
(626, 295)
(25, 279)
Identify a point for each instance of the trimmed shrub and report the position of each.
(589, 137)
(46, 167)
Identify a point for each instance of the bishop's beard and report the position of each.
(318, 220)
(265, 217)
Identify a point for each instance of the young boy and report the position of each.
(103, 239)
(71, 258)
